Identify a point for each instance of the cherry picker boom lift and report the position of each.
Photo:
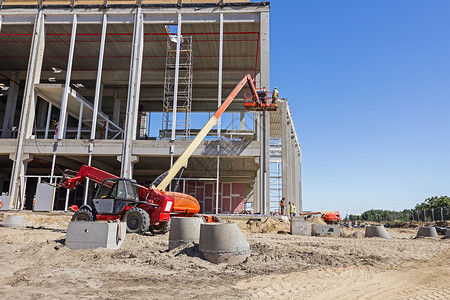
(150, 208)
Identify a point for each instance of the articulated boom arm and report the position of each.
(92, 173)
(183, 159)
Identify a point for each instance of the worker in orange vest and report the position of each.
(282, 206)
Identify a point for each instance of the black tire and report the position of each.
(83, 216)
(137, 220)
(162, 228)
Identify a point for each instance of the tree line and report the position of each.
(433, 208)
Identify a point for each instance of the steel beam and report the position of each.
(62, 116)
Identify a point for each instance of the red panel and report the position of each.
(208, 205)
(226, 205)
(191, 188)
(239, 188)
(226, 189)
(208, 190)
(199, 194)
(237, 205)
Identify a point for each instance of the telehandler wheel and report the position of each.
(137, 220)
(161, 228)
(83, 215)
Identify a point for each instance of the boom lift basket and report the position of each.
(266, 101)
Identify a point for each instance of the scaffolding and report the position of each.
(184, 95)
(142, 125)
(276, 178)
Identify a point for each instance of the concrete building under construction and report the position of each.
(125, 85)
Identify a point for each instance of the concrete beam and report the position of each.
(232, 14)
(70, 147)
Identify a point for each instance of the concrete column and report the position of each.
(219, 84)
(47, 122)
(80, 121)
(98, 85)
(134, 87)
(285, 145)
(265, 117)
(298, 183)
(41, 114)
(242, 119)
(63, 114)
(292, 169)
(11, 103)
(17, 187)
(116, 108)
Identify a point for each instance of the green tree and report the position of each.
(434, 202)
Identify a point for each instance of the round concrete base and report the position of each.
(223, 243)
(376, 231)
(426, 231)
(13, 221)
(184, 230)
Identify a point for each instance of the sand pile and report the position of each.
(264, 226)
(318, 220)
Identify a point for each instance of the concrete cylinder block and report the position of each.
(184, 230)
(376, 231)
(427, 231)
(223, 243)
(13, 221)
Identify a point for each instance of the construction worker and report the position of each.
(275, 95)
(282, 206)
(291, 210)
(262, 94)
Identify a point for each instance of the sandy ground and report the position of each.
(35, 264)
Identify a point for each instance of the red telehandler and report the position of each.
(150, 208)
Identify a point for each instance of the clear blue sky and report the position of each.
(368, 83)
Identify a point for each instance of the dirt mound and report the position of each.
(263, 226)
(318, 221)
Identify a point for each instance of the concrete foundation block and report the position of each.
(447, 234)
(427, 231)
(223, 243)
(299, 226)
(5, 200)
(322, 230)
(184, 231)
(377, 231)
(89, 235)
(13, 221)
